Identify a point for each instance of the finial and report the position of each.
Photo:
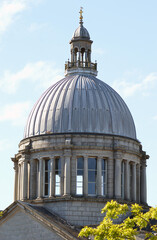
(81, 17)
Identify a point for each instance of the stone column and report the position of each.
(52, 177)
(143, 183)
(99, 174)
(32, 180)
(118, 160)
(19, 179)
(85, 55)
(85, 178)
(67, 174)
(110, 177)
(25, 179)
(15, 180)
(127, 181)
(134, 182)
(72, 56)
(138, 183)
(73, 174)
(40, 179)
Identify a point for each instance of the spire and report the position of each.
(81, 16)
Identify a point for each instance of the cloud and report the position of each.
(36, 26)
(44, 73)
(127, 87)
(16, 113)
(10, 9)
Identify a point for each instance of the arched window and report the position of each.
(104, 177)
(82, 55)
(75, 55)
(92, 175)
(79, 177)
(122, 179)
(47, 177)
(57, 176)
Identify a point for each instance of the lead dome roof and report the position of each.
(81, 32)
(80, 104)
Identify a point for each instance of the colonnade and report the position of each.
(124, 180)
(82, 55)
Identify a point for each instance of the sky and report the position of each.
(34, 45)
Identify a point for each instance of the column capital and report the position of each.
(15, 166)
(67, 152)
(118, 155)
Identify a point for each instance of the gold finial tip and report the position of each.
(81, 16)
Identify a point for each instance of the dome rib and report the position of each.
(80, 104)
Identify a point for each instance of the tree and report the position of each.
(1, 213)
(128, 229)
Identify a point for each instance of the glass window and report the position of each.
(122, 179)
(57, 176)
(47, 177)
(92, 176)
(79, 177)
(104, 177)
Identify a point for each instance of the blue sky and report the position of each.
(34, 44)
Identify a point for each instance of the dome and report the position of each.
(80, 104)
(81, 32)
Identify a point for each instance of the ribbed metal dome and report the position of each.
(81, 32)
(80, 104)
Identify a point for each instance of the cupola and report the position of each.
(81, 52)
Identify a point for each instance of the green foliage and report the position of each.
(128, 229)
(1, 213)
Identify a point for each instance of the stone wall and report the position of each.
(20, 226)
(79, 213)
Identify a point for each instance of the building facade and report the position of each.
(80, 147)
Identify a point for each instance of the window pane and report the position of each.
(46, 164)
(57, 190)
(46, 177)
(57, 164)
(80, 172)
(57, 176)
(57, 179)
(79, 184)
(91, 163)
(80, 163)
(103, 164)
(79, 191)
(91, 188)
(46, 189)
(91, 176)
(79, 177)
